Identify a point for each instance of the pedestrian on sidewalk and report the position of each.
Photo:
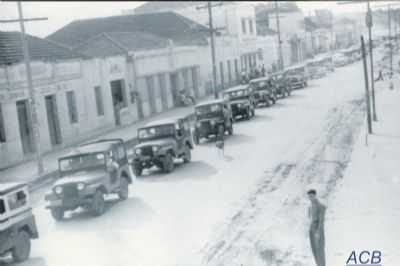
(220, 143)
(316, 213)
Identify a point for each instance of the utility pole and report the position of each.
(368, 20)
(212, 32)
(366, 86)
(32, 113)
(390, 46)
(281, 64)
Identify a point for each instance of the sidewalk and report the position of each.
(363, 213)
(27, 172)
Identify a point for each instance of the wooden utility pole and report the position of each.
(368, 20)
(281, 64)
(32, 113)
(366, 86)
(212, 40)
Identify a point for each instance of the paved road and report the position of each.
(185, 218)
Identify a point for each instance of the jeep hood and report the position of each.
(156, 142)
(84, 176)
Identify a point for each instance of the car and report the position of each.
(282, 84)
(161, 142)
(316, 70)
(17, 222)
(241, 99)
(297, 76)
(340, 60)
(212, 117)
(88, 173)
(264, 91)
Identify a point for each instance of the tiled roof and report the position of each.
(166, 25)
(11, 51)
(113, 43)
(157, 6)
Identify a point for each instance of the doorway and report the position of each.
(52, 120)
(118, 98)
(25, 127)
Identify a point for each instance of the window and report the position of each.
(244, 26)
(2, 207)
(195, 82)
(2, 129)
(99, 100)
(185, 74)
(71, 102)
(16, 200)
(251, 25)
(163, 90)
(237, 69)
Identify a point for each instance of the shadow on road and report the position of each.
(32, 261)
(82, 219)
(195, 170)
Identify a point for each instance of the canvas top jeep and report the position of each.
(88, 173)
(162, 141)
(212, 117)
(241, 99)
(282, 84)
(297, 76)
(17, 222)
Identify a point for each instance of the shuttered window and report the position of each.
(99, 100)
(72, 108)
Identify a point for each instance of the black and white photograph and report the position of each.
(200, 133)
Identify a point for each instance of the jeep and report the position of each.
(241, 99)
(87, 174)
(160, 143)
(297, 76)
(264, 91)
(212, 117)
(17, 222)
(283, 87)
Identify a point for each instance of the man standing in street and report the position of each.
(316, 213)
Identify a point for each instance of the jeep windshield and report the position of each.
(238, 94)
(82, 162)
(156, 132)
(209, 111)
(262, 85)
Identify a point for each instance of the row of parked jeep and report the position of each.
(95, 169)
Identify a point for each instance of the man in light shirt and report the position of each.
(316, 213)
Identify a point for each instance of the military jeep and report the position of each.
(160, 143)
(17, 222)
(241, 99)
(297, 76)
(282, 84)
(264, 91)
(212, 117)
(87, 174)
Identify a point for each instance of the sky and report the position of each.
(60, 14)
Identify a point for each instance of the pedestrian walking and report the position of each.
(220, 143)
(316, 213)
(380, 76)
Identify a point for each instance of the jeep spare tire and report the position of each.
(22, 248)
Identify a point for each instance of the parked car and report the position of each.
(87, 174)
(297, 76)
(340, 60)
(282, 84)
(161, 142)
(264, 91)
(241, 99)
(17, 222)
(316, 69)
(210, 117)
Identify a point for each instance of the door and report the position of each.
(163, 92)
(25, 127)
(52, 120)
(118, 99)
(174, 87)
(152, 96)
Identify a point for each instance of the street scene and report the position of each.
(199, 133)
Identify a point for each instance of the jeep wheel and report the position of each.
(253, 113)
(57, 213)
(98, 204)
(187, 155)
(22, 248)
(248, 114)
(230, 129)
(137, 169)
(123, 192)
(168, 163)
